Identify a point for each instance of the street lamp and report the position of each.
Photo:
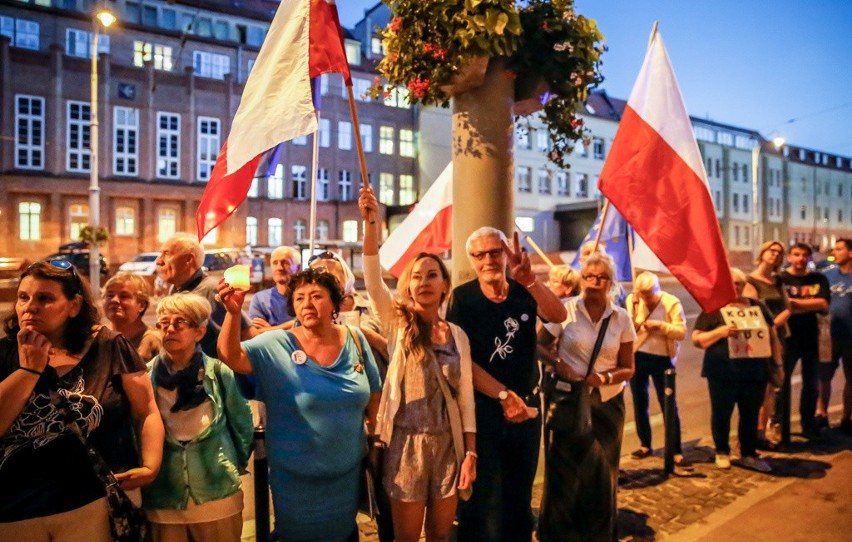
(102, 18)
(777, 142)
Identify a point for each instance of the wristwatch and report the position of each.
(503, 395)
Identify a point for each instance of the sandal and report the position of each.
(641, 453)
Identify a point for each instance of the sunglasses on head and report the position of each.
(324, 255)
(63, 265)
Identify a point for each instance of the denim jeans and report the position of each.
(499, 510)
(653, 367)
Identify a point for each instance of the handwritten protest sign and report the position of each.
(752, 341)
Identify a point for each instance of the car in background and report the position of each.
(80, 261)
(11, 269)
(144, 264)
(216, 260)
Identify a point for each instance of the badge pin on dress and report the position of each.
(299, 357)
(359, 368)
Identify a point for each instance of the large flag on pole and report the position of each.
(304, 41)
(428, 228)
(655, 177)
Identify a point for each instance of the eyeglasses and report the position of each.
(324, 255)
(596, 278)
(179, 324)
(494, 254)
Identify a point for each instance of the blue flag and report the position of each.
(614, 236)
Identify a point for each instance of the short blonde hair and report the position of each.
(566, 276)
(766, 246)
(143, 289)
(647, 282)
(603, 260)
(193, 307)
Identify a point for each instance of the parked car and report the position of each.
(80, 261)
(143, 264)
(216, 260)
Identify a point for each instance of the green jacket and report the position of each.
(207, 468)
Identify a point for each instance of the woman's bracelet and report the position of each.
(33, 371)
(471, 453)
(531, 284)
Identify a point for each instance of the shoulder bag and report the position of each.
(367, 497)
(568, 405)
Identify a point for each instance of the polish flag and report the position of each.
(655, 177)
(304, 41)
(428, 228)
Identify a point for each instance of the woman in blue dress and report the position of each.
(319, 382)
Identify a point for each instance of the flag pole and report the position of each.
(653, 33)
(535, 247)
(630, 234)
(603, 221)
(314, 164)
(362, 161)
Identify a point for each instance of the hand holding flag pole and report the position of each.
(535, 247)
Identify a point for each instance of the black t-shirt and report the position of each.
(44, 468)
(717, 362)
(804, 326)
(502, 335)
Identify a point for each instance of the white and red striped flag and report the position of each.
(655, 177)
(428, 228)
(304, 41)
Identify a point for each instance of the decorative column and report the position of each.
(483, 162)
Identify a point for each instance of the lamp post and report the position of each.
(106, 18)
(778, 142)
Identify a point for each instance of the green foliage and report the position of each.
(91, 235)
(428, 42)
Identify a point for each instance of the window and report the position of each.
(735, 203)
(324, 133)
(735, 171)
(745, 173)
(353, 52)
(322, 229)
(168, 19)
(746, 208)
(301, 140)
(275, 183)
(407, 194)
(376, 45)
(21, 32)
(367, 137)
(746, 235)
(804, 212)
(522, 137)
(323, 185)
(717, 201)
(168, 145)
(397, 97)
(299, 176)
(542, 140)
(543, 181)
(718, 168)
(736, 235)
(29, 132)
(582, 185)
(78, 43)
(211, 65)
(149, 15)
(251, 230)
(344, 181)
(839, 217)
(208, 146)
(29, 221)
(78, 216)
(160, 55)
(77, 153)
(299, 230)
(125, 133)
(254, 36)
(274, 229)
(125, 221)
(210, 238)
(220, 30)
(204, 26)
(350, 231)
(709, 167)
(406, 143)
(360, 89)
(386, 140)
(563, 187)
(344, 135)
(386, 188)
(166, 224)
(523, 179)
(598, 148)
(254, 188)
(324, 84)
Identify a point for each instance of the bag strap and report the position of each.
(357, 344)
(597, 349)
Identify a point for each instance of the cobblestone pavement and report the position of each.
(652, 506)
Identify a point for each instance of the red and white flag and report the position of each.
(428, 228)
(304, 41)
(655, 177)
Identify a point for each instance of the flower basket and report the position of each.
(530, 95)
(470, 76)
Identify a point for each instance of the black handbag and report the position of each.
(369, 478)
(568, 406)
(127, 522)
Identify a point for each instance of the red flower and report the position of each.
(439, 53)
(395, 24)
(427, 47)
(544, 25)
(418, 87)
(576, 123)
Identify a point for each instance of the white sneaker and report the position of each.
(723, 461)
(754, 463)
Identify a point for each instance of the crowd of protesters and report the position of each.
(442, 394)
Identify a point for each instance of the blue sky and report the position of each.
(750, 63)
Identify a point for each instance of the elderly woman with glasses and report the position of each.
(320, 385)
(126, 298)
(67, 384)
(740, 343)
(595, 355)
(197, 494)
